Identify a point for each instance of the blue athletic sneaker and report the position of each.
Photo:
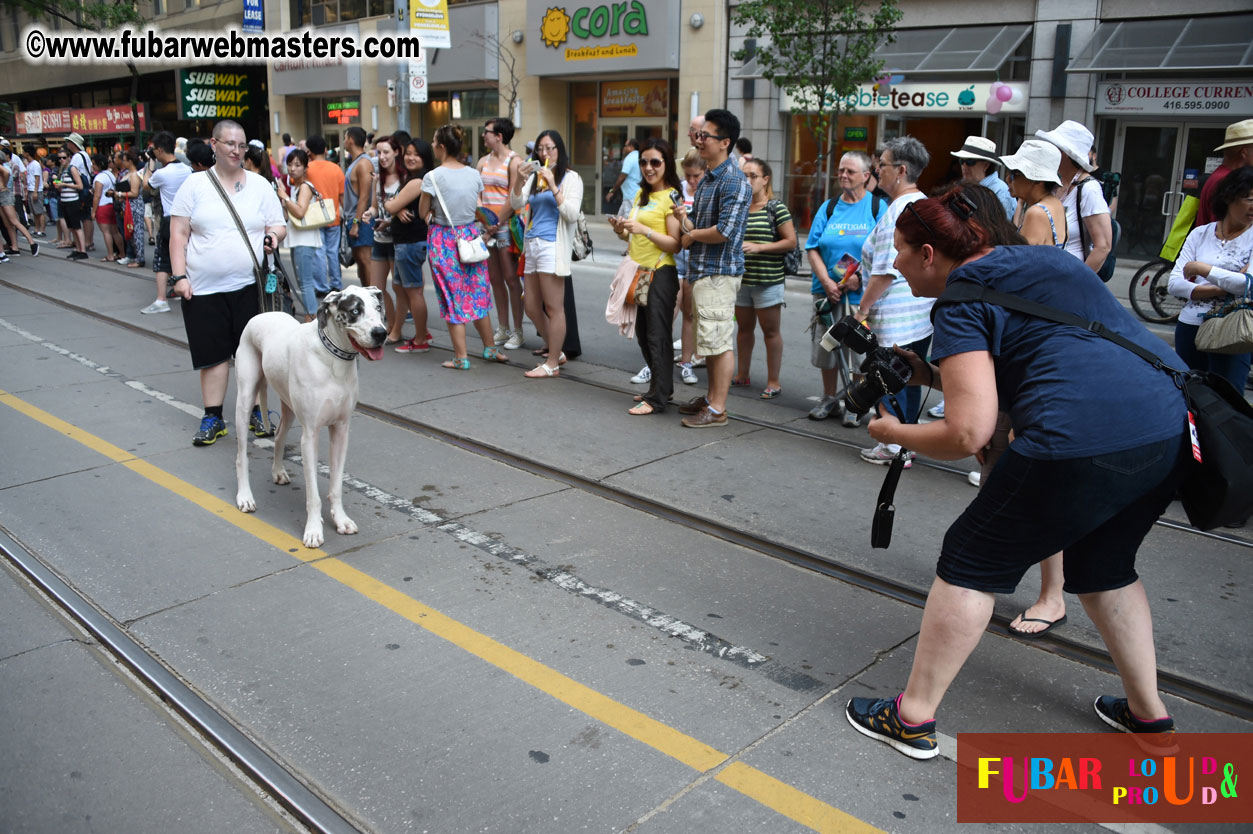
(211, 428)
(879, 719)
(1157, 736)
(936, 411)
(260, 427)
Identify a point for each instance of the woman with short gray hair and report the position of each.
(888, 306)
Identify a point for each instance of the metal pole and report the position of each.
(402, 71)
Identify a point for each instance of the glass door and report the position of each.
(613, 136)
(1199, 157)
(1147, 198)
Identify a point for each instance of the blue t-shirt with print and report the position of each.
(840, 229)
(1069, 392)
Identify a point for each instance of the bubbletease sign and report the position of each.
(928, 98)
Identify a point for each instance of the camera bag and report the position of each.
(1218, 486)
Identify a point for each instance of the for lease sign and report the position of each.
(1168, 98)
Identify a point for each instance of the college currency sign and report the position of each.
(428, 19)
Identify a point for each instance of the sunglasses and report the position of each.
(652, 163)
(909, 207)
(965, 162)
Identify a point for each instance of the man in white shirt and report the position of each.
(213, 270)
(35, 193)
(166, 181)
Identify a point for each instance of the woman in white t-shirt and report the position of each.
(464, 290)
(304, 243)
(102, 209)
(1212, 270)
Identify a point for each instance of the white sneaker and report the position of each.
(687, 374)
(678, 344)
(975, 478)
(883, 453)
(851, 420)
(501, 334)
(515, 340)
(643, 377)
(161, 306)
(122, 261)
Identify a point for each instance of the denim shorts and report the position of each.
(382, 251)
(409, 260)
(1096, 509)
(365, 236)
(759, 296)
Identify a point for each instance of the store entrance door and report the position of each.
(613, 136)
(1160, 163)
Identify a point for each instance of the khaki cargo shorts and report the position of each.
(713, 299)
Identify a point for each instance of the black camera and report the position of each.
(883, 372)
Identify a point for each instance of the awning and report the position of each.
(942, 50)
(1218, 43)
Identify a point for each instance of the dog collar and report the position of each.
(335, 349)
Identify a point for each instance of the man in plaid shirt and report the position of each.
(714, 238)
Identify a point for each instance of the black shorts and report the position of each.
(1097, 510)
(161, 258)
(215, 322)
(72, 212)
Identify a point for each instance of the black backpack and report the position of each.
(792, 258)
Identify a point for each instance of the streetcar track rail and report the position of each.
(214, 728)
(1196, 691)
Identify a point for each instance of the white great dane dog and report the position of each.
(313, 367)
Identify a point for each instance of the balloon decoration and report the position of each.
(883, 84)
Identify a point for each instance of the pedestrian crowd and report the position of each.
(1081, 443)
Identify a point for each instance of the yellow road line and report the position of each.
(751, 782)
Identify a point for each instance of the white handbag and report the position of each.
(471, 251)
(317, 215)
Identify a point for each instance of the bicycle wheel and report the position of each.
(1140, 291)
(1166, 305)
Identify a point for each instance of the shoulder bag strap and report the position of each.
(1083, 233)
(966, 291)
(440, 197)
(239, 224)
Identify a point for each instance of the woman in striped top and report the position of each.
(499, 170)
(768, 237)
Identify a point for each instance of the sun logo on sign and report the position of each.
(555, 27)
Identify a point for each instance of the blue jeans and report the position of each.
(331, 278)
(306, 261)
(1232, 367)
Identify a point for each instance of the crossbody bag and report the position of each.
(469, 251)
(1218, 487)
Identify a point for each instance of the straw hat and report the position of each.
(1036, 160)
(1073, 139)
(1240, 133)
(976, 147)
(77, 139)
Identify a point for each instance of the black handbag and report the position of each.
(1218, 486)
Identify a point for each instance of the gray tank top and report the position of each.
(350, 193)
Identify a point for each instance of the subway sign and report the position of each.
(602, 36)
(212, 94)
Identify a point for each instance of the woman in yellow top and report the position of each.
(654, 238)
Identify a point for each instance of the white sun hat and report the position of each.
(1073, 139)
(1036, 160)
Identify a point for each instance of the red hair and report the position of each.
(947, 222)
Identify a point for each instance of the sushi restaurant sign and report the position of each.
(592, 36)
(922, 97)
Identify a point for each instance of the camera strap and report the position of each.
(884, 508)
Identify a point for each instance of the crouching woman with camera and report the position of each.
(1098, 449)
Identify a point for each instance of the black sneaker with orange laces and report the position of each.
(879, 719)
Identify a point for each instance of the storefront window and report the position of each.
(803, 182)
(584, 155)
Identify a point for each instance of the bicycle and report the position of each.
(1149, 294)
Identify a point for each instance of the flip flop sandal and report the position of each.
(1033, 635)
(739, 383)
(771, 393)
(493, 354)
(542, 371)
(461, 363)
(540, 352)
(641, 410)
